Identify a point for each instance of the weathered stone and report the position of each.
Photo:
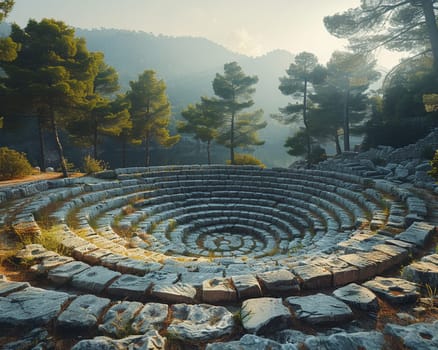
(279, 282)
(82, 314)
(130, 286)
(418, 233)
(320, 309)
(135, 267)
(94, 279)
(422, 272)
(260, 315)
(395, 290)
(417, 336)
(49, 263)
(149, 341)
(119, 318)
(342, 272)
(200, 322)
(29, 341)
(33, 252)
(161, 277)
(31, 307)
(175, 293)
(338, 341)
(7, 287)
(367, 269)
(357, 296)
(151, 317)
(251, 342)
(246, 286)
(95, 257)
(398, 255)
(218, 290)
(313, 276)
(383, 261)
(64, 273)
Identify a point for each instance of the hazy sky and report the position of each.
(252, 27)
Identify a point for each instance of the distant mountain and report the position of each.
(189, 65)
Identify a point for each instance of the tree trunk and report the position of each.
(208, 152)
(432, 28)
(147, 142)
(124, 152)
(58, 145)
(346, 122)
(42, 144)
(337, 143)
(95, 135)
(306, 124)
(232, 139)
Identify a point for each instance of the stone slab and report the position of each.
(201, 322)
(395, 290)
(367, 269)
(64, 273)
(118, 319)
(357, 296)
(94, 279)
(279, 282)
(130, 287)
(7, 287)
(31, 307)
(151, 317)
(418, 233)
(422, 272)
(313, 276)
(218, 290)
(261, 315)
(320, 309)
(82, 314)
(246, 286)
(175, 293)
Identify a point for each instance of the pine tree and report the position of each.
(150, 112)
(234, 90)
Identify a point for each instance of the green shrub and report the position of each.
(434, 165)
(246, 159)
(92, 165)
(13, 164)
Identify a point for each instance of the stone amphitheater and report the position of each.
(342, 256)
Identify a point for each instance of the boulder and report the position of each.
(260, 315)
(395, 290)
(357, 296)
(200, 322)
(320, 309)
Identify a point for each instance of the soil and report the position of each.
(36, 177)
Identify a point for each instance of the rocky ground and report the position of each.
(219, 257)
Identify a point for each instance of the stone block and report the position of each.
(246, 286)
(313, 276)
(261, 315)
(64, 273)
(218, 290)
(94, 279)
(130, 286)
(279, 282)
(175, 293)
(395, 290)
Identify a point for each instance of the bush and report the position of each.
(434, 165)
(246, 159)
(13, 164)
(92, 165)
